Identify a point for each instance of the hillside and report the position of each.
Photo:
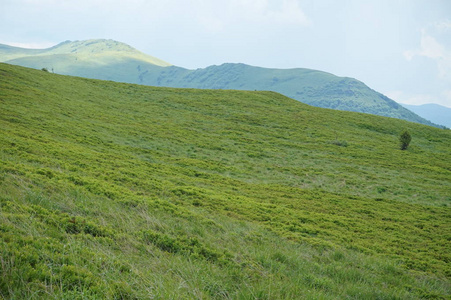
(122, 191)
(312, 87)
(436, 113)
(110, 60)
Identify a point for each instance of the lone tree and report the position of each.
(405, 139)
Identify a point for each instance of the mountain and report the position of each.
(99, 58)
(435, 113)
(120, 191)
(312, 87)
(111, 60)
(97, 51)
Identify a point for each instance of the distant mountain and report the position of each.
(111, 60)
(435, 113)
(101, 59)
(312, 87)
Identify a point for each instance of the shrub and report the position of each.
(340, 143)
(405, 139)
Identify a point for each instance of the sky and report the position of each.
(401, 48)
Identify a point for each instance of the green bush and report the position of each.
(405, 139)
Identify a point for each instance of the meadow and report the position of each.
(121, 191)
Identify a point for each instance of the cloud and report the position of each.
(446, 98)
(435, 46)
(429, 48)
(271, 11)
(434, 49)
(443, 25)
(290, 12)
(221, 16)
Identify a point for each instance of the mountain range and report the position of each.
(116, 61)
(438, 114)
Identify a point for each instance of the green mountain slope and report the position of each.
(312, 87)
(110, 60)
(121, 191)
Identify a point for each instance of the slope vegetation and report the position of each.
(121, 191)
(111, 60)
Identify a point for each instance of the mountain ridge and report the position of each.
(436, 113)
(93, 59)
(309, 86)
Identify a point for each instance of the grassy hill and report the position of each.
(121, 191)
(111, 60)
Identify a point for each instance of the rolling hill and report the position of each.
(110, 60)
(123, 191)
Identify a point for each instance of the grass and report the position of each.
(122, 191)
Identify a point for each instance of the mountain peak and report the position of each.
(97, 49)
(104, 47)
(93, 46)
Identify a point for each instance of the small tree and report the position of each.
(405, 139)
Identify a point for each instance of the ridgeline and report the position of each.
(116, 61)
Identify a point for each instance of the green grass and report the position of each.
(122, 191)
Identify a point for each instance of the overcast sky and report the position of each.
(401, 48)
